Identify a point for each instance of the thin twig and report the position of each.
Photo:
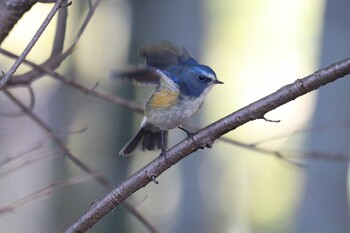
(61, 30)
(27, 162)
(57, 141)
(11, 11)
(19, 155)
(40, 144)
(206, 137)
(30, 107)
(92, 8)
(56, 58)
(44, 192)
(99, 178)
(89, 91)
(253, 147)
(140, 217)
(318, 128)
(53, 62)
(31, 44)
(336, 157)
(275, 153)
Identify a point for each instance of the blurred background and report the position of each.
(255, 47)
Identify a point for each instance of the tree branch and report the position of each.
(56, 58)
(31, 44)
(206, 137)
(43, 193)
(99, 178)
(58, 141)
(48, 67)
(10, 12)
(89, 91)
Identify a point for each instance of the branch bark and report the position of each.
(10, 12)
(206, 137)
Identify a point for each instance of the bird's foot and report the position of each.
(163, 151)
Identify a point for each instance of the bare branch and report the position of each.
(91, 91)
(61, 29)
(26, 162)
(56, 140)
(56, 58)
(87, 90)
(52, 63)
(206, 137)
(30, 107)
(277, 154)
(327, 156)
(269, 120)
(140, 217)
(41, 143)
(318, 128)
(43, 193)
(31, 44)
(10, 12)
(99, 178)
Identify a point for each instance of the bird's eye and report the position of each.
(203, 78)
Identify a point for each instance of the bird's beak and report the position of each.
(218, 82)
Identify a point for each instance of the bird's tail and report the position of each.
(145, 140)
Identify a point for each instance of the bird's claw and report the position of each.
(163, 151)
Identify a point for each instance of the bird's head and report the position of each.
(192, 78)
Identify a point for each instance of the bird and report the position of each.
(181, 87)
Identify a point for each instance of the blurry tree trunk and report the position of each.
(324, 207)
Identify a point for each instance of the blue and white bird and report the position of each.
(182, 84)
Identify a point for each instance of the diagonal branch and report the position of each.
(10, 13)
(277, 154)
(99, 178)
(56, 140)
(206, 137)
(31, 44)
(43, 193)
(57, 57)
(89, 91)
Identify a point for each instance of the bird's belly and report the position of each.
(173, 116)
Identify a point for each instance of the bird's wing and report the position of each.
(168, 81)
(139, 76)
(160, 56)
(164, 55)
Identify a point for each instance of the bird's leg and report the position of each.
(164, 148)
(189, 134)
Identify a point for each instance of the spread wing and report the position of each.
(139, 76)
(160, 56)
(163, 55)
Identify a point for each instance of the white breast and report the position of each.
(174, 116)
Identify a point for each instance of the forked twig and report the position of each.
(30, 107)
(31, 44)
(55, 139)
(56, 57)
(102, 180)
(87, 90)
(43, 193)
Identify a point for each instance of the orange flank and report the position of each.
(164, 99)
